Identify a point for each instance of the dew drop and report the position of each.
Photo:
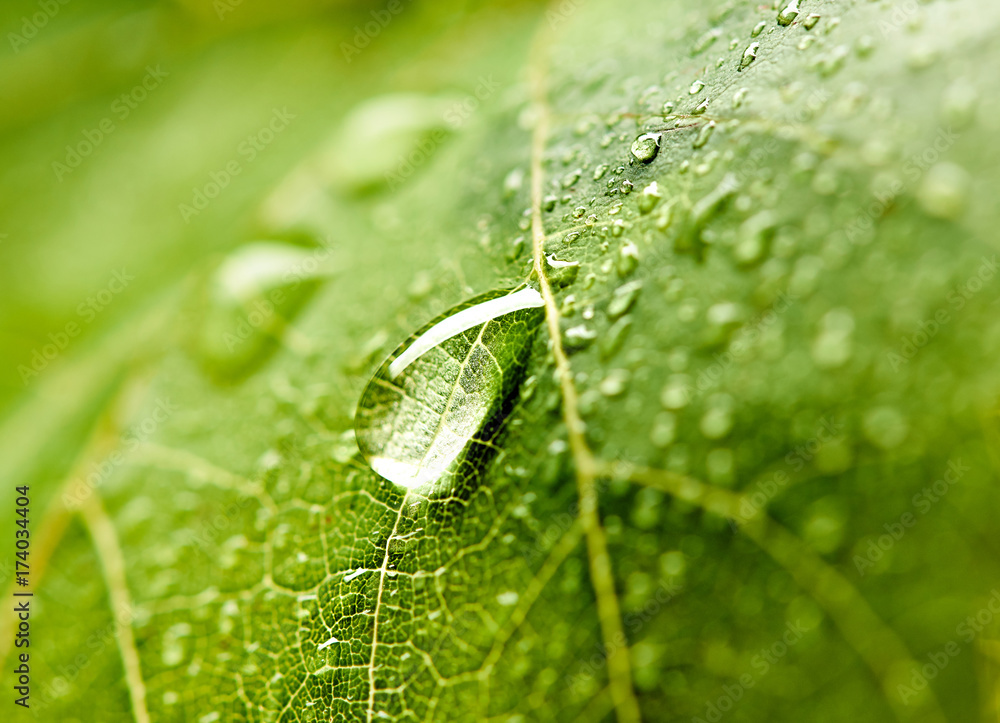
(704, 134)
(749, 55)
(649, 197)
(789, 13)
(696, 87)
(758, 29)
(427, 419)
(646, 146)
(885, 427)
(623, 298)
(249, 300)
(832, 348)
(702, 43)
(810, 21)
(944, 190)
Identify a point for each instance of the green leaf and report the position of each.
(749, 474)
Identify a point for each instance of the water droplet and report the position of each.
(885, 427)
(513, 182)
(600, 171)
(758, 29)
(702, 43)
(549, 202)
(615, 382)
(701, 107)
(626, 187)
(570, 179)
(704, 134)
(789, 13)
(649, 198)
(646, 146)
(623, 298)
(614, 337)
(628, 259)
(664, 429)
(810, 22)
(944, 190)
(677, 392)
(508, 599)
(738, 97)
(250, 298)
(561, 273)
(668, 107)
(832, 348)
(696, 87)
(428, 416)
(579, 337)
(749, 55)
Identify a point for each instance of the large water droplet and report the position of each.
(428, 417)
(645, 147)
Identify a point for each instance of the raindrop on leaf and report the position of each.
(427, 419)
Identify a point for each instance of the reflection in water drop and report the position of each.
(428, 416)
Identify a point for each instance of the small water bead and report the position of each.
(749, 55)
(789, 13)
(696, 87)
(704, 134)
(668, 108)
(626, 187)
(614, 337)
(649, 197)
(677, 392)
(600, 171)
(833, 347)
(646, 146)
(617, 227)
(705, 40)
(579, 337)
(810, 21)
(628, 259)
(758, 29)
(623, 298)
(738, 97)
(549, 202)
(885, 427)
(664, 429)
(561, 273)
(579, 211)
(615, 383)
(943, 193)
(701, 107)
